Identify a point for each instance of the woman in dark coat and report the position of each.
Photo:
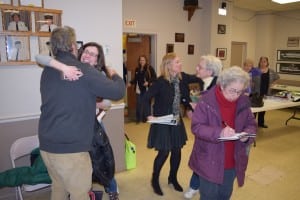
(166, 138)
(144, 75)
(222, 111)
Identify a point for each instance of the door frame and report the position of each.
(152, 60)
(243, 54)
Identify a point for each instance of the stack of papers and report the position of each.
(166, 119)
(237, 136)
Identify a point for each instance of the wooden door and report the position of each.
(135, 46)
(238, 53)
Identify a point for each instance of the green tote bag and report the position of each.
(130, 154)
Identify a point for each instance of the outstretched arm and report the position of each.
(70, 73)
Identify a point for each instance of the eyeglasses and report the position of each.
(233, 91)
(92, 54)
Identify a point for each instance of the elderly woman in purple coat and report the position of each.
(223, 111)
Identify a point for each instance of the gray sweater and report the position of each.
(68, 108)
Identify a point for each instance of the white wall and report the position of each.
(244, 30)
(165, 18)
(99, 21)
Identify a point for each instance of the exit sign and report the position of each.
(130, 23)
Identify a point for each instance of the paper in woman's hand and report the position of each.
(236, 136)
(166, 119)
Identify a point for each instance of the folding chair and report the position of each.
(20, 148)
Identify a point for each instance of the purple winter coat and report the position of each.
(207, 157)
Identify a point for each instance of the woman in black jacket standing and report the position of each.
(143, 77)
(166, 138)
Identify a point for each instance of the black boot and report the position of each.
(155, 184)
(174, 163)
(174, 182)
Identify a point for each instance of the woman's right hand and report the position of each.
(71, 73)
(227, 132)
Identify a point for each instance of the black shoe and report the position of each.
(262, 126)
(175, 184)
(156, 187)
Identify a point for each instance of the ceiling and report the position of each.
(264, 5)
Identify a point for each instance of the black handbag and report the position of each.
(256, 100)
(102, 157)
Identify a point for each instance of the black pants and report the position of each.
(174, 161)
(261, 118)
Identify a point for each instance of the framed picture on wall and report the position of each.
(221, 28)
(221, 53)
(46, 21)
(190, 49)
(11, 16)
(293, 42)
(170, 48)
(3, 48)
(44, 46)
(18, 48)
(288, 55)
(6, 2)
(288, 68)
(179, 37)
(33, 3)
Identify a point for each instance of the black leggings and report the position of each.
(174, 161)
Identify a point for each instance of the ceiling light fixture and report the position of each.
(222, 10)
(285, 1)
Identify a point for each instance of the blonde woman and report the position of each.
(166, 138)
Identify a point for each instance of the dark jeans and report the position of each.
(213, 191)
(139, 112)
(194, 182)
(113, 187)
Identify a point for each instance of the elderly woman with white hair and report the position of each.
(222, 111)
(208, 70)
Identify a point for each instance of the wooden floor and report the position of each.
(273, 172)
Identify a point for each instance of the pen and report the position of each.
(225, 124)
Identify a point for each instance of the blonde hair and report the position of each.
(248, 61)
(165, 65)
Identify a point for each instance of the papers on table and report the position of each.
(237, 136)
(100, 116)
(166, 119)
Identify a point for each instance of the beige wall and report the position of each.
(99, 21)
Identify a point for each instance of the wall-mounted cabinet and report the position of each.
(25, 31)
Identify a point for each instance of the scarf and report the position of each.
(176, 100)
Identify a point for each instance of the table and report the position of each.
(274, 103)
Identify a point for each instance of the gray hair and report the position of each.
(62, 39)
(212, 63)
(233, 74)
